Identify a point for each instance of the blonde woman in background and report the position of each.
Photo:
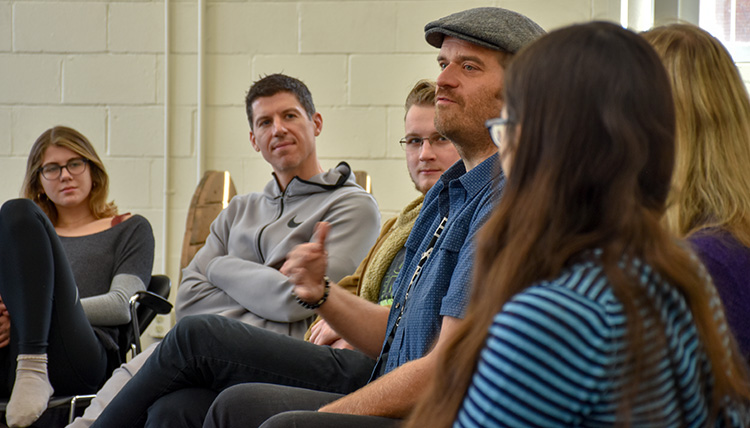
(68, 265)
(710, 200)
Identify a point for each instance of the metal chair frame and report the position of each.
(144, 306)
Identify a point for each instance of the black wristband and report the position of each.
(319, 303)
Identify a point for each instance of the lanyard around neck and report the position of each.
(418, 271)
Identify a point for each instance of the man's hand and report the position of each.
(394, 394)
(4, 325)
(322, 334)
(362, 323)
(306, 266)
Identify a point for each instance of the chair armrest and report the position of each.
(151, 300)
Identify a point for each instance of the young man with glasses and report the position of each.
(291, 381)
(428, 155)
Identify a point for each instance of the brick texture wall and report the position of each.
(99, 66)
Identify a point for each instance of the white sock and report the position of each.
(31, 392)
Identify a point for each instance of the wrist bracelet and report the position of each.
(319, 303)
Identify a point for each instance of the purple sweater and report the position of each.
(728, 262)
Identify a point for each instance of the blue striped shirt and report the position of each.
(554, 354)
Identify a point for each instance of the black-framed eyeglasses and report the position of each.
(53, 171)
(414, 142)
(496, 127)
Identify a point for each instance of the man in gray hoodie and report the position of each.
(236, 273)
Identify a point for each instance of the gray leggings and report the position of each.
(39, 290)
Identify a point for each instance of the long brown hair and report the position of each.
(591, 167)
(712, 170)
(73, 140)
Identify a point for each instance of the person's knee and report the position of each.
(195, 325)
(237, 396)
(222, 409)
(197, 334)
(185, 408)
(230, 404)
(250, 404)
(191, 330)
(285, 420)
(17, 212)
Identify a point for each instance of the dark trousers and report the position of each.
(213, 353)
(39, 290)
(252, 405)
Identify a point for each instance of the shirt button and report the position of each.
(398, 305)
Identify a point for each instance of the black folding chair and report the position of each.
(144, 307)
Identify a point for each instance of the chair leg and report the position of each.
(74, 401)
(134, 323)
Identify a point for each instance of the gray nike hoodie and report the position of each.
(236, 274)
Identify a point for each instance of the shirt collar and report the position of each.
(475, 180)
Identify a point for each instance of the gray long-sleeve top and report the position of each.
(109, 267)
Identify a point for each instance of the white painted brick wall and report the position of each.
(136, 27)
(354, 132)
(27, 126)
(391, 184)
(183, 79)
(334, 27)
(136, 131)
(11, 175)
(182, 127)
(551, 14)
(745, 72)
(5, 27)
(249, 28)
(411, 17)
(130, 182)
(109, 79)
(395, 131)
(228, 79)
(29, 79)
(184, 27)
(255, 173)
(325, 75)
(159, 70)
(385, 79)
(227, 133)
(99, 66)
(182, 171)
(59, 27)
(5, 131)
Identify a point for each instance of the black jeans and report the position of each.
(215, 353)
(252, 405)
(39, 290)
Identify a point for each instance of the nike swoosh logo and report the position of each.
(292, 224)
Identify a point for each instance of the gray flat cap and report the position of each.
(491, 27)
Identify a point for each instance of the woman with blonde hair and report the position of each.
(585, 311)
(68, 265)
(710, 200)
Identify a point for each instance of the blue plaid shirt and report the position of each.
(442, 289)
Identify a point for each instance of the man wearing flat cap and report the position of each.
(273, 381)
